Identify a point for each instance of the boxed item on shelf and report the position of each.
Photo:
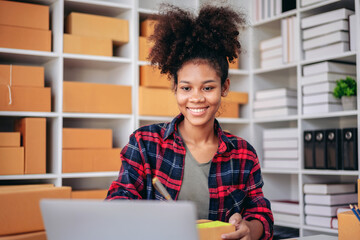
(327, 50)
(352, 28)
(151, 77)
(24, 15)
(280, 144)
(275, 102)
(275, 112)
(329, 188)
(91, 160)
(145, 47)
(22, 76)
(90, 25)
(305, 3)
(11, 160)
(271, 43)
(327, 39)
(229, 109)
(281, 164)
(275, 93)
(13, 37)
(324, 77)
(20, 207)
(40, 235)
(288, 34)
(88, 45)
(325, 211)
(322, 108)
(281, 154)
(340, 25)
(212, 230)
(147, 27)
(9, 139)
(285, 206)
(325, 17)
(89, 194)
(320, 221)
(96, 98)
(326, 87)
(348, 226)
(157, 102)
(234, 64)
(330, 199)
(329, 67)
(271, 62)
(237, 97)
(280, 133)
(33, 99)
(271, 53)
(87, 138)
(286, 218)
(33, 131)
(320, 98)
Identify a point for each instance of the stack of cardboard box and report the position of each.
(94, 34)
(146, 30)
(89, 194)
(22, 89)
(30, 158)
(89, 150)
(24, 26)
(20, 209)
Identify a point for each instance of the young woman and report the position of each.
(192, 157)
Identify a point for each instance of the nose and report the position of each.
(197, 97)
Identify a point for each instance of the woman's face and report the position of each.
(198, 92)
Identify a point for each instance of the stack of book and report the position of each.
(289, 43)
(271, 52)
(275, 102)
(318, 82)
(326, 33)
(323, 200)
(286, 211)
(280, 148)
(305, 3)
(265, 9)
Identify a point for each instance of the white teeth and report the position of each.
(197, 110)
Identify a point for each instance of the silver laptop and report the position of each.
(122, 219)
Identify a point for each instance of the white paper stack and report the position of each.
(280, 148)
(275, 102)
(271, 52)
(318, 82)
(289, 43)
(352, 29)
(326, 33)
(322, 202)
(286, 211)
(265, 9)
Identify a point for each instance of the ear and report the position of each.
(225, 88)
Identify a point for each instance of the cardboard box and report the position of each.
(157, 102)
(33, 132)
(358, 185)
(349, 226)
(151, 77)
(87, 138)
(90, 160)
(234, 64)
(11, 160)
(228, 110)
(22, 76)
(14, 37)
(20, 208)
(88, 45)
(24, 15)
(33, 99)
(147, 27)
(238, 97)
(145, 47)
(9, 139)
(90, 25)
(213, 230)
(96, 98)
(25, 187)
(26, 236)
(89, 194)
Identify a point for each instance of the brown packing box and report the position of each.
(349, 226)
(33, 132)
(20, 209)
(14, 37)
(90, 25)
(87, 138)
(11, 160)
(89, 194)
(157, 102)
(238, 97)
(96, 98)
(9, 139)
(90, 160)
(88, 45)
(24, 15)
(33, 99)
(26, 236)
(147, 28)
(213, 233)
(25, 187)
(21, 76)
(151, 77)
(234, 64)
(228, 110)
(144, 48)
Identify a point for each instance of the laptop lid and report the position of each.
(136, 220)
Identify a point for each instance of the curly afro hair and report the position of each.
(180, 36)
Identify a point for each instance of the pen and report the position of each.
(357, 210)
(161, 189)
(354, 211)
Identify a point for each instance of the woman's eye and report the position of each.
(185, 88)
(208, 88)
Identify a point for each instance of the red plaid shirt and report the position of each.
(235, 181)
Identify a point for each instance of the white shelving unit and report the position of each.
(123, 69)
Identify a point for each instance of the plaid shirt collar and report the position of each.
(224, 141)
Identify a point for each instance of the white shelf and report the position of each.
(330, 115)
(29, 176)
(90, 174)
(24, 56)
(234, 120)
(155, 118)
(280, 171)
(96, 59)
(346, 57)
(29, 114)
(238, 72)
(276, 119)
(147, 11)
(318, 5)
(320, 229)
(97, 115)
(105, 8)
(275, 69)
(330, 172)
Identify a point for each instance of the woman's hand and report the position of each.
(244, 230)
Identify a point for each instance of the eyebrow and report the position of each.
(207, 81)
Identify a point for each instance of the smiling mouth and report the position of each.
(197, 110)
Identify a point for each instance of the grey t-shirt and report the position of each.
(195, 186)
